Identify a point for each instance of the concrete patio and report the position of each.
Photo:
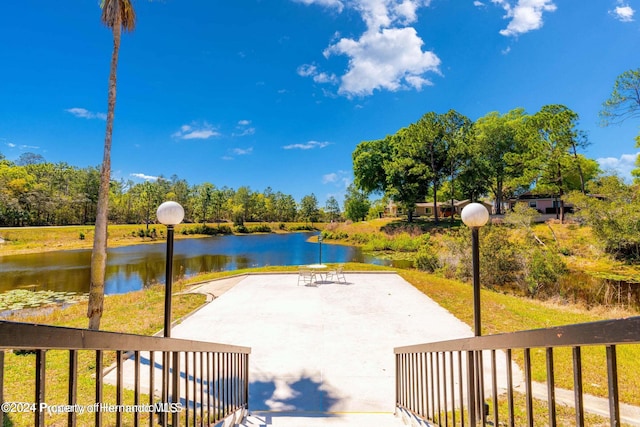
(321, 352)
(323, 355)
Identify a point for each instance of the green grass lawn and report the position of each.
(506, 313)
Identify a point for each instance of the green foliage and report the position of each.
(309, 208)
(150, 233)
(521, 216)
(500, 260)
(82, 236)
(335, 235)
(302, 227)
(614, 216)
(262, 228)
(426, 258)
(402, 242)
(332, 208)
(416, 159)
(543, 270)
(498, 140)
(623, 102)
(356, 204)
(207, 230)
(241, 229)
(376, 209)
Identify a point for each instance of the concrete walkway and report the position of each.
(324, 352)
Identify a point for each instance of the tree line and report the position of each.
(35, 192)
(448, 156)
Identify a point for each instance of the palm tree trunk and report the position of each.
(99, 253)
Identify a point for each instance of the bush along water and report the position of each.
(512, 258)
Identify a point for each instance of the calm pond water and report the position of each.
(132, 268)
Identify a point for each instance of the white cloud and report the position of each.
(525, 15)
(244, 128)
(242, 151)
(478, 4)
(196, 131)
(387, 56)
(390, 59)
(622, 165)
(86, 114)
(341, 179)
(336, 4)
(330, 177)
(11, 145)
(144, 177)
(623, 13)
(307, 146)
(309, 70)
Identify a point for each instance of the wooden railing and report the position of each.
(445, 382)
(173, 381)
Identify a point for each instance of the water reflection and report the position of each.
(134, 267)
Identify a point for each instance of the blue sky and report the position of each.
(278, 93)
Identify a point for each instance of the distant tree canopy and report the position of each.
(446, 156)
(623, 104)
(356, 204)
(42, 193)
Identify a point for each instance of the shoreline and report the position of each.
(33, 240)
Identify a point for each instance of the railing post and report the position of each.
(175, 398)
(577, 386)
(99, 388)
(165, 386)
(41, 375)
(471, 384)
(1, 385)
(551, 388)
(612, 373)
(73, 385)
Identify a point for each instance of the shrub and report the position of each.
(224, 229)
(206, 230)
(498, 257)
(334, 235)
(455, 255)
(262, 228)
(302, 227)
(543, 272)
(81, 236)
(427, 259)
(241, 229)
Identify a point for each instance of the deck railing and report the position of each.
(173, 381)
(439, 382)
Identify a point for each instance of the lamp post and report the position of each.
(475, 215)
(320, 242)
(169, 214)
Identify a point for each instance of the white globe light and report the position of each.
(170, 213)
(475, 215)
